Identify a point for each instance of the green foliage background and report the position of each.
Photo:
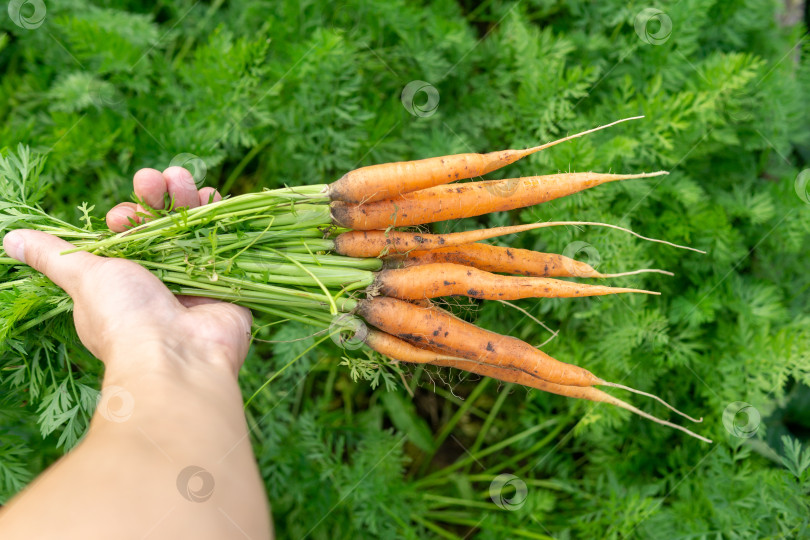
(289, 92)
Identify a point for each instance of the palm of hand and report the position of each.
(130, 308)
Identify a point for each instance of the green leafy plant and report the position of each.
(268, 94)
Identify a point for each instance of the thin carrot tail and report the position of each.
(624, 405)
(608, 225)
(625, 290)
(588, 132)
(653, 396)
(498, 161)
(631, 273)
(484, 234)
(584, 270)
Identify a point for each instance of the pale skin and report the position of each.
(167, 454)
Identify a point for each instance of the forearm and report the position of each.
(167, 454)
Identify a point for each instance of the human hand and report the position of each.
(170, 402)
(120, 308)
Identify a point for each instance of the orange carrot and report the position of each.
(503, 259)
(448, 279)
(496, 259)
(387, 180)
(438, 330)
(443, 203)
(403, 351)
(382, 243)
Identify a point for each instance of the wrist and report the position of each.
(157, 363)
(187, 416)
(153, 383)
(160, 357)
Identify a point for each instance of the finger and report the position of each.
(206, 194)
(42, 252)
(228, 316)
(224, 310)
(121, 217)
(193, 301)
(181, 187)
(243, 314)
(150, 187)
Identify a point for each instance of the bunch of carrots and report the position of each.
(317, 254)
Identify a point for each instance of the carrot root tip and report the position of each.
(656, 293)
(667, 423)
(577, 135)
(653, 396)
(634, 272)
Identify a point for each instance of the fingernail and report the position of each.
(14, 245)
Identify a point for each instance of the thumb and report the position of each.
(42, 252)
